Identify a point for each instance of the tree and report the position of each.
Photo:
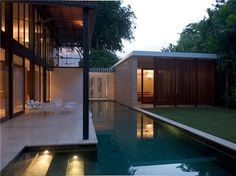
(113, 23)
(215, 34)
(102, 59)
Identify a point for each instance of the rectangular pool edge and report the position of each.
(222, 144)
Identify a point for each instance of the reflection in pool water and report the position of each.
(130, 143)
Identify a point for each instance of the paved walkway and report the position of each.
(37, 129)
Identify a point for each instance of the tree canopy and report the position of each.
(214, 34)
(114, 22)
(102, 59)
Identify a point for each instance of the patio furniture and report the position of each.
(69, 105)
(31, 105)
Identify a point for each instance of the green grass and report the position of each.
(217, 121)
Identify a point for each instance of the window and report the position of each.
(27, 80)
(27, 26)
(18, 84)
(21, 23)
(37, 82)
(15, 21)
(3, 85)
(49, 75)
(2, 16)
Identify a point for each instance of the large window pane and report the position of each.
(15, 21)
(2, 16)
(37, 83)
(21, 23)
(18, 84)
(27, 25)
(3, 85)
(41, 84)
(27, 80)
(49, 74)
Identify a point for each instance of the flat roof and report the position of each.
(167, 55)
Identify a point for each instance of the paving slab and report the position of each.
(35, 128)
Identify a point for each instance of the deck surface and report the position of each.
(34, 128)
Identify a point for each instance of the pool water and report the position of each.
(129, 143)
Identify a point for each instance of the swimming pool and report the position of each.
(129, 143)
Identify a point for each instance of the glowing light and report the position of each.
(75, 166)
(78, 22)
(46, 152)
(149, 125)
(149, 74)
(75, 157)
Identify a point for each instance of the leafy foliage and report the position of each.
(113, 23)
(102, 59)
(214, 34)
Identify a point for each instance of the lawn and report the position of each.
(217, 121)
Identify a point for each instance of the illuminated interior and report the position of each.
(3, 85)
(145, 85)
(18, 84)
(27, 80)
(49, 81)
(37, 82)
(3, 16)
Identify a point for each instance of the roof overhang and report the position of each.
(65, 19)
(167, 55)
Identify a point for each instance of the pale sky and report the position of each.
(159, 22)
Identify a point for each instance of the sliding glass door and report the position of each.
(145, 85)
(18, 84)
(3, 85)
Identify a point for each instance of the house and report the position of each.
(165, 78)
(34, 66)
(32, 35)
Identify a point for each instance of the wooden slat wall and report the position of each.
(185, 89)
(165, 82)
(206, 82)
(185, 82)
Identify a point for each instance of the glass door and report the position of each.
(18, 85)
(147, 85)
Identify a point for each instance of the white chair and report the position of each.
(31, 105)
(69, 105)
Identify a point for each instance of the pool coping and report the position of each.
(214, 139)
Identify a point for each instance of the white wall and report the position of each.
(67, 83)
(126, 82)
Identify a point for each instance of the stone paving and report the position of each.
(62, 127)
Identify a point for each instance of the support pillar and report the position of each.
(9, 56)
(44, 84)
(85, 73)
(196, 84)
(155, 82)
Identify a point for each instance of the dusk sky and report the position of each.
(159, 22)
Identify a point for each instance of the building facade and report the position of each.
(166, 78)
(31, 33)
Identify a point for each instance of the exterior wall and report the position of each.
(126, 82)
(67, 84)
(180, 81)
(101, 86)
